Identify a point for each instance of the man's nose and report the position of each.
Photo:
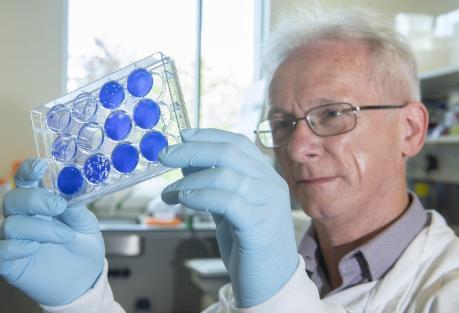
(304, 144)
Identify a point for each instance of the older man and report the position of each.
(345, 116)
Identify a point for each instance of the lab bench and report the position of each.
(146, 265)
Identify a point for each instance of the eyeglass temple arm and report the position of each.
(261, 131)
(379, 107)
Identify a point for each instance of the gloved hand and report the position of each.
(250, 204)
(51, 252)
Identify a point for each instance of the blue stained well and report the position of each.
(118, 125)
(139, 82)
(64, 148)
(96, 168)
(111, 95)
(146, 113)
(125, 158)
(69, 180)
(151, 144)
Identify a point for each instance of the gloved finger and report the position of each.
(217, 219)
(210, 154)
(253, 190)
(170, 197)
(36, 229)
(218, 135)
(12, 249)
(80, 219)
(224, 238)
(30, 173)
(230, 206)
(191, 170)
(33, 201)
(219, 178)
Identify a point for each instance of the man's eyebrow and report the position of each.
(277, 111)
(329, 100)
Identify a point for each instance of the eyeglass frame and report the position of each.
(355, 110)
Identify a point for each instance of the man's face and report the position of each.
(338, 175)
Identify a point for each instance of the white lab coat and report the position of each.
(424, 280)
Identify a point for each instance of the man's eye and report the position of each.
(281, 124)
(332, 113)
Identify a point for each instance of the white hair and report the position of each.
(390, 54)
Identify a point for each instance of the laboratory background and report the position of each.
(165, 259)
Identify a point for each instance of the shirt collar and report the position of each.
(382, 251)
(309, 249)
(376, 256)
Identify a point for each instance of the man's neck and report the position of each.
(339, 236)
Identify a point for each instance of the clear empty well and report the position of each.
(64, 148)
(111, 95)
(90, 137)
(84, 107)
(166, 118)
(159, 87)
(58, 118)
(97, 168)
(125, 158)
(118, 125)
(139, 82)
(70, 180)
(146, 113)
(151, 144)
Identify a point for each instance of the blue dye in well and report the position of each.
(58, 118)
(146, 113)
(69, 180)
(151, 144)
(64, 148)
(84, 107)
(125, 158)
(97, 168)
(111, 95)
(139, 82)
(118, 125)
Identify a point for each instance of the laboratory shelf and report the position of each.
(437, 162)
(438, 83)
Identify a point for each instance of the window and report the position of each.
(228, 30)
(105, 35)
(214, 44)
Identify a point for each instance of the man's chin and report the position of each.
(317, 203)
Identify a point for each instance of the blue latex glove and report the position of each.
(250, 204)
(52, 253)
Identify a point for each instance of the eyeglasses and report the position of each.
(324, 120)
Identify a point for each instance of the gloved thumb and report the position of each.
(30, 173)
(80, 219)
(171, 197)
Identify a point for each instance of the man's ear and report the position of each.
(415, 121)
